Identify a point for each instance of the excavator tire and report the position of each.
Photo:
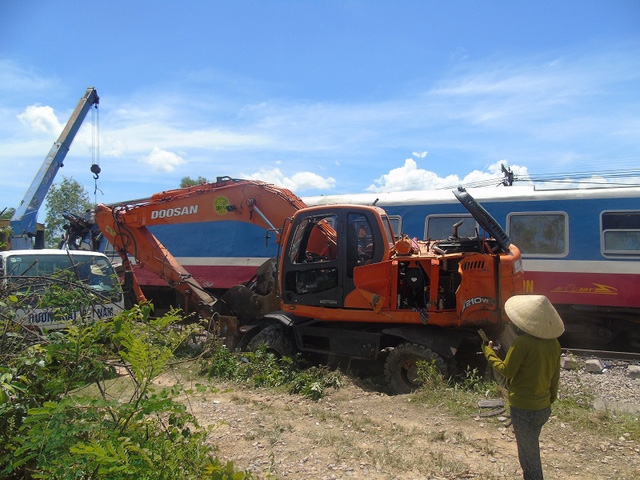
(401, 369)
(276, 338)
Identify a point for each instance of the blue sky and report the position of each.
(322, 97)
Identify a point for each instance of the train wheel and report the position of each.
(276, 338)
(401, 369)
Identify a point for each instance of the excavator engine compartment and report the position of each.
(435, 288)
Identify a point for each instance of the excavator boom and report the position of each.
(126, 226)
(227, 199)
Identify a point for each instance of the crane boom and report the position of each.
(24, 220)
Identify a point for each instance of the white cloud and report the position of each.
(41, 119)
(137, 137)
(494, 175)
(163, 160)
(298, 182)
(410, 177)
(310, 181)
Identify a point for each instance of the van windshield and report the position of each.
(95, 271)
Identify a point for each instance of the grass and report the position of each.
(605, 423)
(376, 442)
(459, 397)
(575, 408)
(262, 369)
(397, 452)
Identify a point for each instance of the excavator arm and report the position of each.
(152, 255)
(126, 226)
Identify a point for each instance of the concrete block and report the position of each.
(569, 362)
(633, 371)
(594, 365)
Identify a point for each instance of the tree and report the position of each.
(5, 227)
(67, 196)
(7, 213)
(190, 182)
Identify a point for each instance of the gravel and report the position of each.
(611, 389)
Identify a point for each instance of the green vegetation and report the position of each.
(262, 369)
(64, 412)
(84, 403)
(575, 407)
(68, 195)
(459, 396)
(190, 182)
(5, 226)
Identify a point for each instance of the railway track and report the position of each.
(604, 354)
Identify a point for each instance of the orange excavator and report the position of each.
(343, 286)
(227, 199)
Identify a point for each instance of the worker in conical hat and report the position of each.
(532, 367)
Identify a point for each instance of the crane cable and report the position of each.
(95, 151)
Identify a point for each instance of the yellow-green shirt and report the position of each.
(533, 367)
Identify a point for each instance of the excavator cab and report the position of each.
(323, 245)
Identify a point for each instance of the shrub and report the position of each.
(54, 424)
(261, 368)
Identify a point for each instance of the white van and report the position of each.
(27, 273)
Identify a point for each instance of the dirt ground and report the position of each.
(356, 433)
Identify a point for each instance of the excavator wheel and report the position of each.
(401, 369)
(276, 338)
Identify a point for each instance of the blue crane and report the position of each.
(24, 220)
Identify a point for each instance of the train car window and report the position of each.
(396, 224)
(620, 233)
(542, 234)
(440, 227)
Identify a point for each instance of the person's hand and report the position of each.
(490, 343)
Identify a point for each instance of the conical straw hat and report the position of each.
(534, 315)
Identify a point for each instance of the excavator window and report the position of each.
(314, 249)
(360, 243)
(314, 241)
(323, 249)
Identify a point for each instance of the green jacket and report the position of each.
(533, 367)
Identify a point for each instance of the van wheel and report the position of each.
(401, 369)
(276, 338)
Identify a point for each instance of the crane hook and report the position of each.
(95, 169)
